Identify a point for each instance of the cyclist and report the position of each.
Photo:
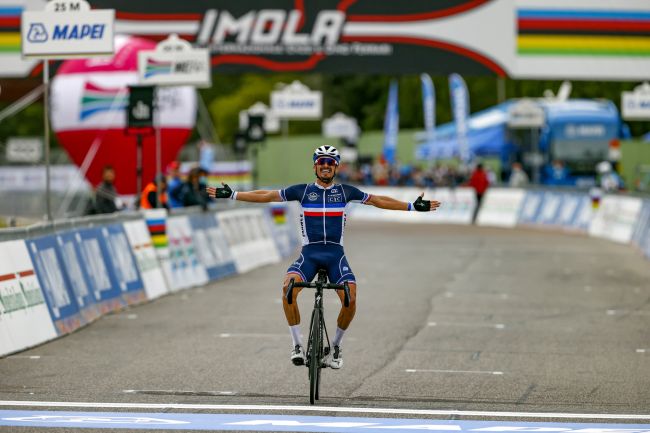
(322, 223)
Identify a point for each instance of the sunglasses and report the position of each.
(326, 161)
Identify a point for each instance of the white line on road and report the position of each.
(243, 335)
(172, 391)
(413, 370)
(162, 406)
(469, 325)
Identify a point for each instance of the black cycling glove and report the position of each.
(422, 205)
(225, 192)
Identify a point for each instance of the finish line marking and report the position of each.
(162, 406)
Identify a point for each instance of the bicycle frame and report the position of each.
(315, 346)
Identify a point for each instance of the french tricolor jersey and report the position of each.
(323, 210)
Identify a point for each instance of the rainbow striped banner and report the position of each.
(10, 28)
(583, 33)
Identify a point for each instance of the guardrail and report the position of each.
(57, 277)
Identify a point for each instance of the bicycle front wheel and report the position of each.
(315, 355)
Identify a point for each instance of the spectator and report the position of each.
(557, 173)
(106, 200)
(191, 191)
(149, 196)
(479, 181)
(174, 184)
(203, 184)
(609, 179)
(518, 176)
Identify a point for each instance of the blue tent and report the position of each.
(486, 136)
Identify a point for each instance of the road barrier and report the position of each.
(58, 277)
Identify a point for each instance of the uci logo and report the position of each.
(312, 196)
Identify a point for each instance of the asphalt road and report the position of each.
(448, 317)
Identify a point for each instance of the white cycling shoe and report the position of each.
(298, 356)
(335, 359)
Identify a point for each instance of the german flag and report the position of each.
(601, 33)
(10, 28)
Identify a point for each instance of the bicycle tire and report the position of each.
(320, 356)
(314, 360)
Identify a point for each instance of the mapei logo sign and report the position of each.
(67, 29)
(96, 99)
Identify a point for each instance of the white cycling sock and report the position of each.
(338, 337)
(295, 335)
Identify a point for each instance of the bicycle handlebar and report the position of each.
(345, 287)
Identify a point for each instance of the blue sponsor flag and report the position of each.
(428, 105)
(391, 124)
(460, 109)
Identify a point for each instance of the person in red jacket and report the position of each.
(480, 182)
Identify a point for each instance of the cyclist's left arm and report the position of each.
(385, 202)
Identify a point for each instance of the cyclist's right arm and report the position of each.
(259, 196)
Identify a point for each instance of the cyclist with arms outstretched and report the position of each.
(322, 223)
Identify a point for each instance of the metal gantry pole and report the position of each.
(46, 136)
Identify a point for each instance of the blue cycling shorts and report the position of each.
(329, 257)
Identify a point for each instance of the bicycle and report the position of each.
(316, 350)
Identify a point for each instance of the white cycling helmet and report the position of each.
(329, 151)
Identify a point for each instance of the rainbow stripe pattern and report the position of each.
(602, 33)
(158, 231)
(154, 67)
(10, 28)
(96, 99)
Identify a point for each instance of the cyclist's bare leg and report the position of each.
(292, 312)
(347, 313)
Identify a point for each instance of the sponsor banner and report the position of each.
(616, 218)
(146, 259)
(636, 105)
(530, 208)
(570, 210)
(550, 210)
(211, 246)
(501, 207)
(642, 226)
(91, 306)
(460, 109)
(185, 269)
(175, 62)
(110, 291)
(121, 259)
(49, 267)
(297, 101)
(457, 207)
(584, 214)
(67, 29)
(249, 238)
(391, 124)
(24, 317)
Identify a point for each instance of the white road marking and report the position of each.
(24, 357)
(641, 351)
(162, 406)
(412, 370)
(252, 335)
(469, 325)
(172, 391)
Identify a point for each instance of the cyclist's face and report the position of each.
(325, 168)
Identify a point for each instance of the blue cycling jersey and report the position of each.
(323, 216)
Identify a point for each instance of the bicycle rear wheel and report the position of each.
(315, 355)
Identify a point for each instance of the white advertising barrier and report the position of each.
(249, 237)
(457, 206)
(616, 218)
(186, 270)
(145, 256)
(24, 318)
(501, 207)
